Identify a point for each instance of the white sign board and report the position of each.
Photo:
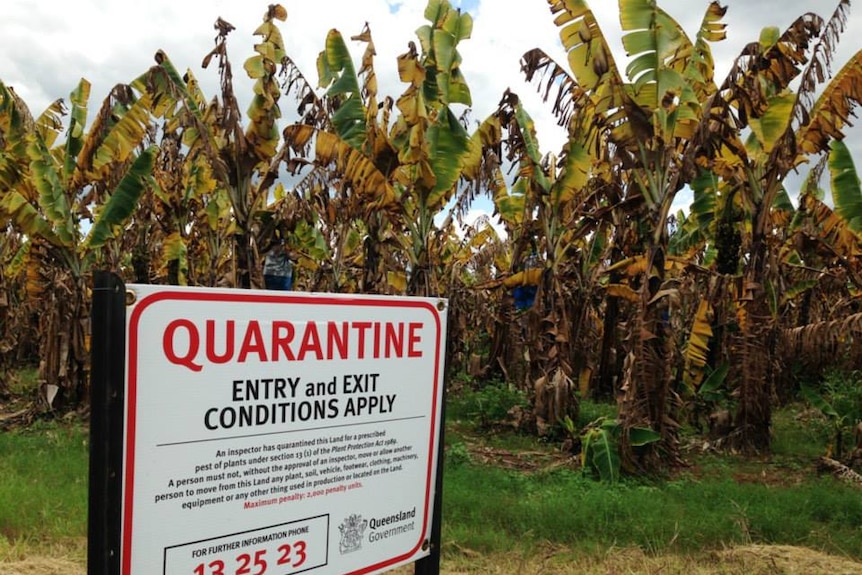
(272, 433)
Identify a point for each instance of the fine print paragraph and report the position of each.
(280, 472)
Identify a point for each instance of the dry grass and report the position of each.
(42, 566)
(550, 560)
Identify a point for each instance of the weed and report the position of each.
(23, 382)
(839, 398)
(590, 411)
(844, 390)
(741, 522)
(457, 454)
(799, 433)
(491, 404)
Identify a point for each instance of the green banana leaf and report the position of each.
(52, 194)
(846, 191)
(337, 73)
(126, 135)
(659, 49)
(709, 389)
(818, 401)
(439, 42)
(774, 123)
(653, 39)
(600, 453)
(123, 201)
(28, 218)
(449, 142)
(605, 457)
(700, 68)
(640, 436)
(78, 121)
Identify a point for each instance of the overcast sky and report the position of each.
(46, 46)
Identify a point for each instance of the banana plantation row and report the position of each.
(596, 288)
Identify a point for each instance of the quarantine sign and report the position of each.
(272, 433)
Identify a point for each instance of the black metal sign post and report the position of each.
(108, 352)
(430, 565)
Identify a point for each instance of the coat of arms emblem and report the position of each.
(352, 529)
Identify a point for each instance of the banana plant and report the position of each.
(600, 446)
(51, 191)
(548, 211)
(350, 180)
(826, 250)
(787, 127)
(648, 129)
(396, 180)
(234, 161)
(841, 422)
(752, 213)
(15, 309)
(429, 138)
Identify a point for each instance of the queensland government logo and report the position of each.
(352, 530)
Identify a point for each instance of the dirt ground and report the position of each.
(749, 560)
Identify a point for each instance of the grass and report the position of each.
(719, 501)
(563, 507)
(22, 383)
(43, 491)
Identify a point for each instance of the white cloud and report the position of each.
(480, 216)
(48, 45)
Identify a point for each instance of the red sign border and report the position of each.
(238, 296)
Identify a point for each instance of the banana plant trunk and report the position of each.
(758, 334)
(645, 395)
(554, 356)
(63, 368)
(609, 365)
(8, 346)
(373, 273)
(244, 259)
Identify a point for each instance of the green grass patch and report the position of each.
(720, 500)
(43, 491)
(489, 510)
(23, 382)
(487, 405)
(589, 411)
(800, 432)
